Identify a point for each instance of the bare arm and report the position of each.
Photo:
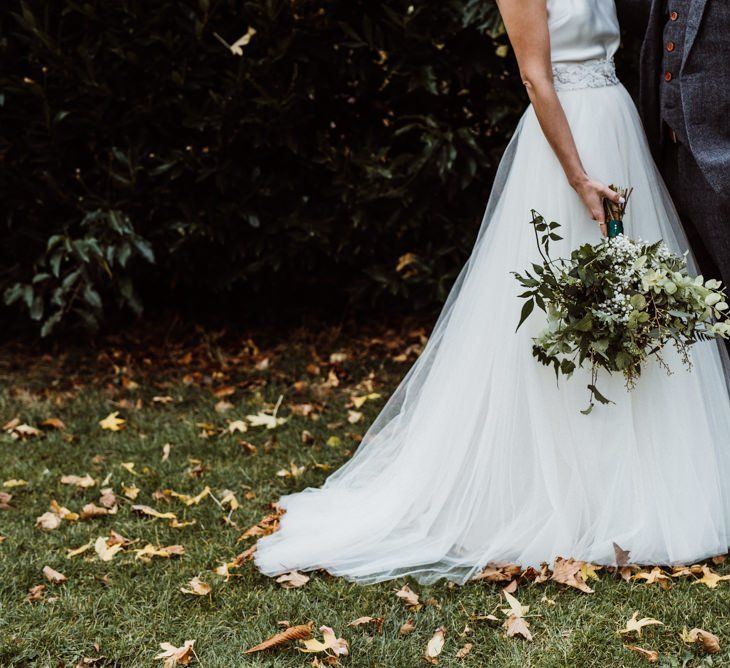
(527, 26)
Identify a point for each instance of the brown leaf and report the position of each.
(196, 587)
(52, 576)
(108, 498)
(651, 655)
(409, 597)
(36, 593)
(301, 632)
(568, 572)
(91, 511)
(362, 621)
(5, 500)
(517, 626)
(408, 627)
(53, 423)
(293, 580)
(655, 576)
(709, 642)
(464, 651)
(622, 556)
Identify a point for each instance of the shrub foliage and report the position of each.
(345, 152)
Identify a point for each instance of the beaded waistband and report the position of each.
(591, 74)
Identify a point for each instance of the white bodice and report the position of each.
(582, 30)
(584, 36)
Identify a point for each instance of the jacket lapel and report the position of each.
(694, 20)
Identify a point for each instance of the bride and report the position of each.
(479, 455)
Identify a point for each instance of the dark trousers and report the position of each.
(704, 213)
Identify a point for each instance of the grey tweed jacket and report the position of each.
(704, 79)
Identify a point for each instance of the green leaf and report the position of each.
(599, 397)
(526, 310)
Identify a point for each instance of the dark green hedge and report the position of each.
(345, 155)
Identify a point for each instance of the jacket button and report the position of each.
(668, 76)
(671, 46)
(674, 16)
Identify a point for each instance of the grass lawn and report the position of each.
(117, 612)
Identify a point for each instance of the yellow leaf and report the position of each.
(112, 422)
(130, 492)
(293, 471)
(265, 420)
(147, 510)
(149, 551)
(710, 578)
(75, 552)
(635, 625)
(330, 643)
(9, 484)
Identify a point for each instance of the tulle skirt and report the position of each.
(480, 455)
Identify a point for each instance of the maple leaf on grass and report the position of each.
(330, 644)
(300, 632)
(516, 624)
(568, 572)
(655, 576)
(635, 625)
(112, 422)
(710, 579)
(176, 656)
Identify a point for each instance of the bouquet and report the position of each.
(613, 304)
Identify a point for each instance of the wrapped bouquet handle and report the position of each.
(615, 212)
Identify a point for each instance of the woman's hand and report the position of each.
(593, 193)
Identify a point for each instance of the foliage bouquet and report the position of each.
(613, 304)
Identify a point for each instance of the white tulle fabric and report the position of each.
(479, 455)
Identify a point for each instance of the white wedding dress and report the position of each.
(480, 455)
